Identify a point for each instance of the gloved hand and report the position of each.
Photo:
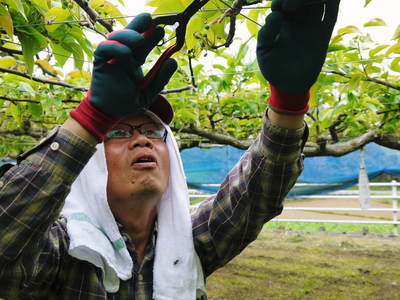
(114, 91)
(291, 49)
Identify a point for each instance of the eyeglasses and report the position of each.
(151, 130)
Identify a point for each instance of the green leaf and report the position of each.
(106, 7)
(60, 53)
(6, 21)
(41, 6)
(196, 24)
(7, 62)
(35, 109)
(354, 83)
(394, 49)
(396, 35)
(165, 5)
(15, 111)
(367, 2)
(346, 30)
(375, 22)
(395, 65)
(32, 41)
(251, 26)
(56, 14)
(16, 5)
(79, 36)
(376, 50)
(336, 47)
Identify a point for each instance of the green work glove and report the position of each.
(292, 45)
(115, 86)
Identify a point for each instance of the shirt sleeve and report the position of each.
(32, 193)
(250, 195)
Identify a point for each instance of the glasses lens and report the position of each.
(119, 131)
(152, 130)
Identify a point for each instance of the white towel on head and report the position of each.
(95, 237)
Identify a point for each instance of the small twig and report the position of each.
(11, 51)
(234, 9)
(94, 17)
(232, 12)
(178, 90)
(191, 71)
(35, 101)
(387, 111)
(378, 81)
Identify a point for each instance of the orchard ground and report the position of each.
(298, 261)
(290, 265)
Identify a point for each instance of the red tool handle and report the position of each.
(156, 68)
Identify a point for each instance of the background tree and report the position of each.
(217, 93)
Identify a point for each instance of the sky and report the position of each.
(352, 12)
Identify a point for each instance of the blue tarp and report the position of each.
(205, 166)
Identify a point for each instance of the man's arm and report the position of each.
(250, 195)
(291, 49)
(33, 240)
(76, 128)
(285, 121)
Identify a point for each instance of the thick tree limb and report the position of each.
(313, 149)
(42, 80)
(389, 141)
(94, 17)
(219, 138)
(378, 81)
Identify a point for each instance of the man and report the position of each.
(125, 230)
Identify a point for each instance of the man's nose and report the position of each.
(140, 140)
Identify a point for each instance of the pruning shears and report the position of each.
(182, 19)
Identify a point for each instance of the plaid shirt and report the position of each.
(34, 260)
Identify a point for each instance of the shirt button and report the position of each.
(55, 146)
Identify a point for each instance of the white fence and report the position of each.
(390, 193)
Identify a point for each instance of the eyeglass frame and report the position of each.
(138, 128)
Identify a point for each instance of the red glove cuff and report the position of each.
(285, 103)
(92, 119)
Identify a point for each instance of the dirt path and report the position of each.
(335, 215)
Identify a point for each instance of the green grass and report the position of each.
(284, 265)
(334, 227)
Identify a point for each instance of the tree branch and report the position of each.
(378, 81)
(313, 149)
(219, 138)
(178, 90)
(35, 101)
(232, 12)
(389, 141)
(42, 80)
(11, 51)
(191, 71)
(94, 17)
(37, 134)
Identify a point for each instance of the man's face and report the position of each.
(138, 166)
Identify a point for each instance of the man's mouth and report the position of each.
(144, 161)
